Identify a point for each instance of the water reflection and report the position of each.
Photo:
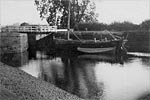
(123, 83)
(14, 59)
(94, 76)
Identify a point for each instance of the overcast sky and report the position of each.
(136, 11)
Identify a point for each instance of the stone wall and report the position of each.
(13, 42)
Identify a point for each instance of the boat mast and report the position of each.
(69, 7)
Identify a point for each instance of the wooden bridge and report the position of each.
(32, 29)
(38, 36)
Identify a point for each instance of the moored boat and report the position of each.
(90, 46)
(93, 45)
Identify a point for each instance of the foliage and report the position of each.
(56, 11)
(116, 26)
(122, 26)
(145, 25)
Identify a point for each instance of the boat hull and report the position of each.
(96, 50)
(88, 46)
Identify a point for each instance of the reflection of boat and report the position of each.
(72, 75)
(96, 57)
(102, 57)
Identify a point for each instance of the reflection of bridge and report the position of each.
(42, 29)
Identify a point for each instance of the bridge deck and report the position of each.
(32, 29)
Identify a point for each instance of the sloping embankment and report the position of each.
(18, 85)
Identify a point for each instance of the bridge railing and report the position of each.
(38, 28)
(30, 28)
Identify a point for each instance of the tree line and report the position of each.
(82, 16)
(116, 26)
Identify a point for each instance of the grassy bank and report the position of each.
(138, 42)
(18, 85)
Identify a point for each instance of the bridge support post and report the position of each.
(46, 43)
(32, 45)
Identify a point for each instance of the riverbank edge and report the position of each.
(18, 85)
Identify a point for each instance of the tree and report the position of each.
(122, 26)
(145, 25)
(56, 11)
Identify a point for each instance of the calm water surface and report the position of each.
(90, 76)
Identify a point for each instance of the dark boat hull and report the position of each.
(86, 45)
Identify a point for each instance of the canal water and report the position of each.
(92, 77)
